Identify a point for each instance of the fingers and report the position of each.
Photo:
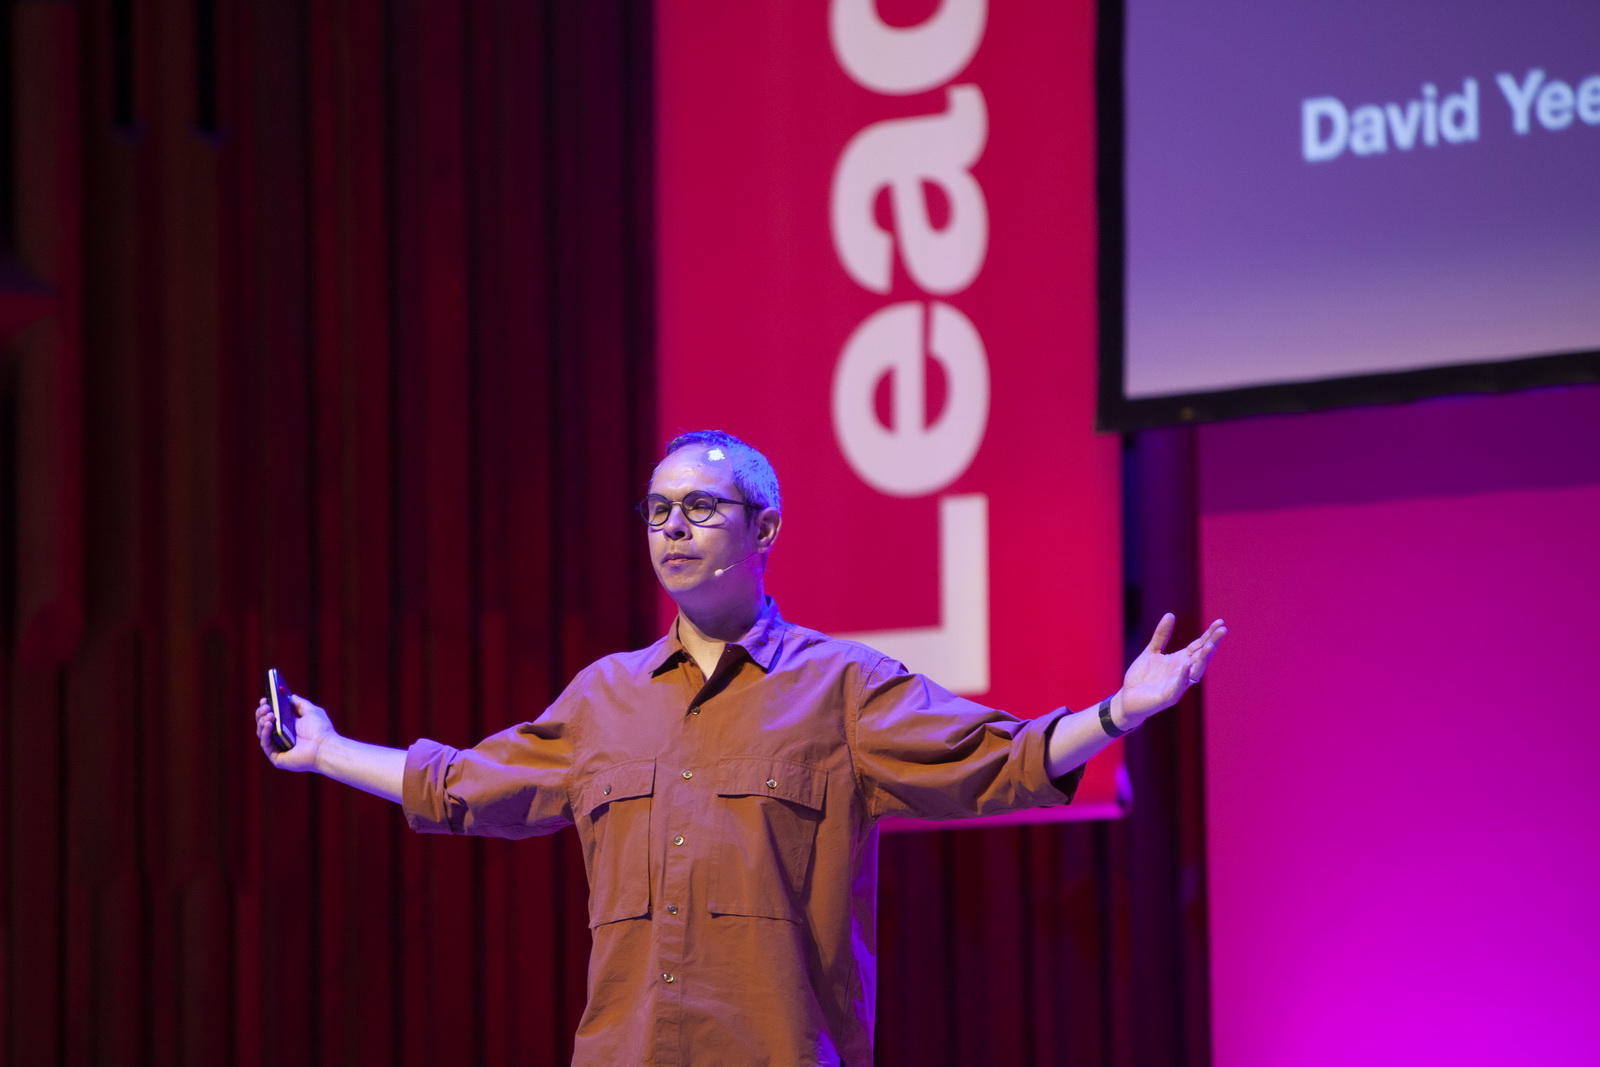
(264, 734)
(1200, 659)
(264, 728)
(1163, 634)
(1214, 633)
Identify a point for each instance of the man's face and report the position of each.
(686, 555)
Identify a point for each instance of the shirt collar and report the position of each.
(760, 642)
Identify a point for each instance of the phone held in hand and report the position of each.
(283, 736)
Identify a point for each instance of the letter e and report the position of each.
(1589, 100)
(1555, 106)
(913, 456)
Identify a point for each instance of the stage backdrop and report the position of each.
(876, 262)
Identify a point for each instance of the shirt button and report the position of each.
(672, 909)
(688, 774)
(606, 790)
(666, 976)
(772, 783)
(677, 839)
(695, 710)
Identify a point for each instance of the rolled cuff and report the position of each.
(427, 806)
(1035, 778)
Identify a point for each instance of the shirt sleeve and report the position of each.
(512, 784)
(922, 751)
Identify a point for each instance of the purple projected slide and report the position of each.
(1321, 190)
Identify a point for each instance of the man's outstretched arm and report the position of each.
(319, 747)
(1155, 681)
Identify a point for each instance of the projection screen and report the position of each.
(1313, 204)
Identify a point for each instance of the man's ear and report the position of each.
(767, 525)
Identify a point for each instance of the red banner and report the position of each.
(876, 241)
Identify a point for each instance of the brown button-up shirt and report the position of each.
(730, 831)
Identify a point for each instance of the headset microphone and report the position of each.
(720, 571)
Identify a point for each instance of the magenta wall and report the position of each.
(1402, 784)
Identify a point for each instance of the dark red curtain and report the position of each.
(327, 346)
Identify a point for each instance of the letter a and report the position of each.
(902, 154)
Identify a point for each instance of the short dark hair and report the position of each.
(752, 472)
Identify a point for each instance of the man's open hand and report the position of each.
(1157, 679)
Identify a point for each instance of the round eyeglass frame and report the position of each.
(698, 502)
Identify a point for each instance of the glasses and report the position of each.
(699, 507)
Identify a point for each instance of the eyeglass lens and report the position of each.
(698, 507)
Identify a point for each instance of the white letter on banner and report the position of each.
(956, 651)
(911, 456)
(903, 154)
(912, 59)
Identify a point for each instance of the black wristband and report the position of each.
(1105, 720)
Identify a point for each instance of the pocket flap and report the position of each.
(621, 781)
(797, 783)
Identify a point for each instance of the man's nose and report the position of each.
(676, 527)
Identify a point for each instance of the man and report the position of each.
(726, 783)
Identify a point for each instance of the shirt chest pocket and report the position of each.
(767, 813)
(613, 819)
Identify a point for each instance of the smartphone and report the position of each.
(282, 711)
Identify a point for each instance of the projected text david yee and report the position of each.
(1329, 127)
